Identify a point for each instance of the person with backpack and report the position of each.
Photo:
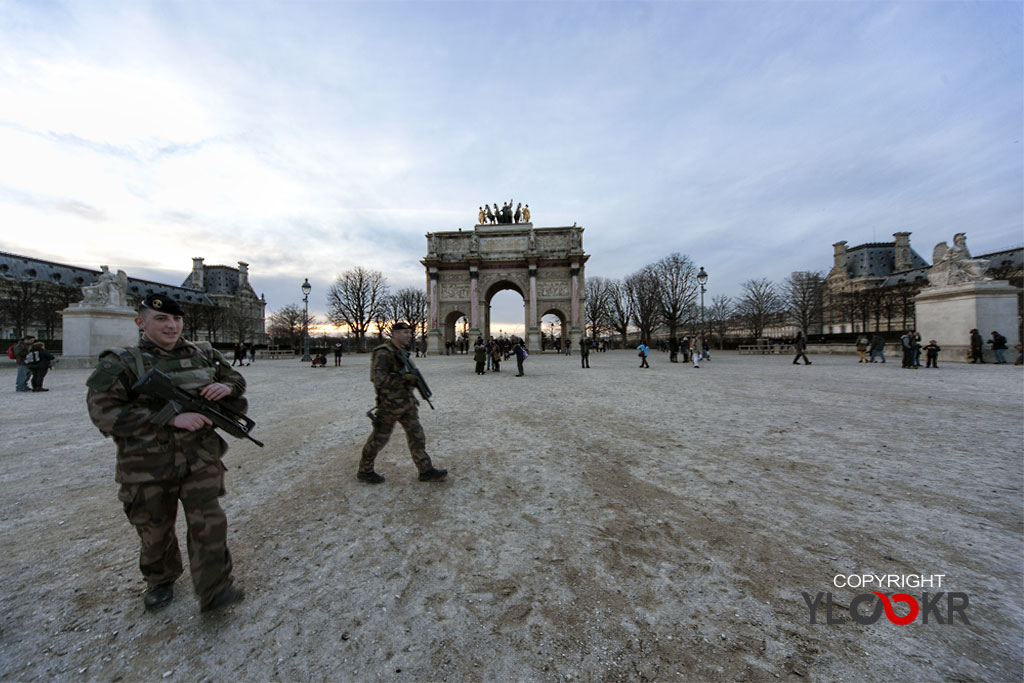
(521, 355)
(998, 343)
(38, 361)
(18, 352)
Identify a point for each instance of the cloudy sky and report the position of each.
(307, 138)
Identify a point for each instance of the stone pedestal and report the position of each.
(948, 313)
(533, 340)
(89, 330)
(575, 334)
(435, 342)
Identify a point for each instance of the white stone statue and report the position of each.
(954, 265)
(109, 290)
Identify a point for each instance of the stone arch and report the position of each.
(450, 331)
(501, 283)
(465, 269)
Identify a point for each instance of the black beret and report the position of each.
(401, 326)
(162, 303)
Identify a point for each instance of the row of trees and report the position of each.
(358, 299)
(664, 297)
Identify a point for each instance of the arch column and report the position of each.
(474, 302)
(533, 331)
(435, 338)
(576, 330)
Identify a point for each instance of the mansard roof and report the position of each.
(20, 267)
(877, 259)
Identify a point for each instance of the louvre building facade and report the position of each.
(220, 303)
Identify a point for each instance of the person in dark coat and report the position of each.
(800, 346)
(521, 354)
(38, 361)
(977, 355)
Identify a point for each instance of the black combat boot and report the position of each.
(433, 474)
(225, 596)
(158, 596)
(370, 477)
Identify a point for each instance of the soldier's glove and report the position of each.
(410, 378)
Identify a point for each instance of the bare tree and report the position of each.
(599, 294)
(620, 309)
(412, 308)
(644, 292)
(802, 297)
(758, 306)
(19, 304)
(286, 326)
(354, 300)
(720, 313)
(677, 290)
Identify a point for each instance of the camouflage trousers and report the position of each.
(152, 510)
(388, 414)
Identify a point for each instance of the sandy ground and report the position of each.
(607, 524)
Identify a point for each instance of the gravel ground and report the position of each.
(602, 524)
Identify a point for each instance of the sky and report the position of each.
(307, 138)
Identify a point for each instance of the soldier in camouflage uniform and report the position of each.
(164, 455)
(389, 372)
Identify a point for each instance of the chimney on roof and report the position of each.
(839, 257)
(901, 252)
(197, 273)
(243, 274)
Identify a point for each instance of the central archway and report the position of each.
(488, 322)
(466, 268)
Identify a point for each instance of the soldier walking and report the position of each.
(392, 377)
(164, 455)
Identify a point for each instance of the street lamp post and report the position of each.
(702, 278)
(306, 287)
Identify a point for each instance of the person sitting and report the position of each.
(319, 361)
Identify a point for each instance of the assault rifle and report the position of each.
(421, 384)
(158, 384)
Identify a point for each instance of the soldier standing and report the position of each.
(164, 456)
(390, 372)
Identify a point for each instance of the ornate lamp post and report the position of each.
(702, 278)
(306, 287)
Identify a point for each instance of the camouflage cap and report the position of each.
(162, 303)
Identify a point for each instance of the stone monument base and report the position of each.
(948, 313)
(89, 330)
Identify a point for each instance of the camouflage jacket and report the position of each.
(149, 449)
(387, 374)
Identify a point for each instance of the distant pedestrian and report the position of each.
(495, 356)
(907, 344)
(584, 353)
(38, 361)
(643, 351)
(877, 348)
(568, 347)
(998, 343)
(479, 356)
(977, 355)
(338, 349)
(20, 350)
(521, 355)
(252, 353)
(931, 353)
(862, 348)
(696, 351)
(239, 354)
(800, 346)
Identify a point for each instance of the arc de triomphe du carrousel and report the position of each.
(466, 268)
